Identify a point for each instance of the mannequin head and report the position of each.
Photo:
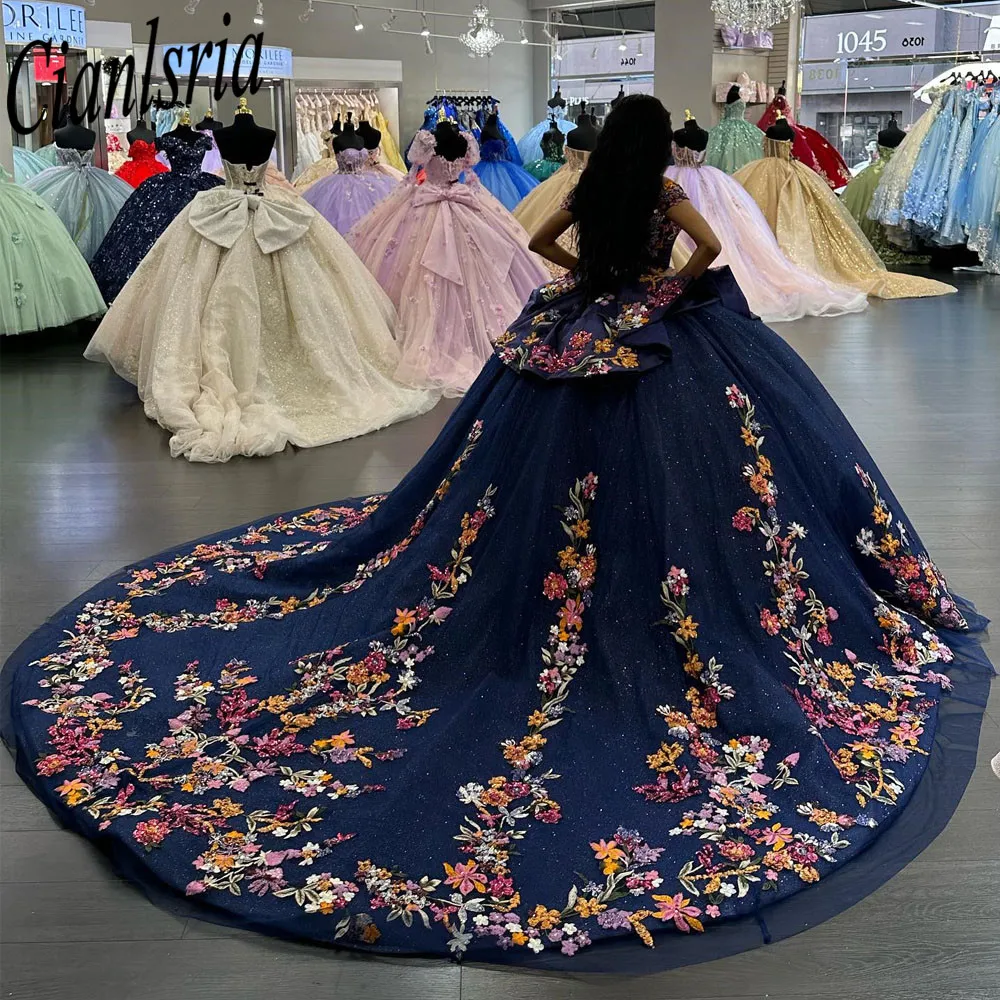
(449, 142)
(348, 138)
(245, 141)
(892, 135)
(781, 130)
(734, 94)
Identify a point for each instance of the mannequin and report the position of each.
(370, 135)
(695, 137)
(348, 137)
(75, 137)
(449, 142)
(621, 97)
(244, 141)
(781, 130)
(557, 100)
(734, 94)
(141, 133)
(593, 118)
(892, 135)
(336, 128)
(184, 131)
(491, 130)
(584, 136)
(209, 123)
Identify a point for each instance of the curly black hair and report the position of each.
(618, 193)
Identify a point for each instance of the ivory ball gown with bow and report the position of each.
(251, 325)
(454, 262)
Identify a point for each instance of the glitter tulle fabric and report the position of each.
(775, 288)
(507, 181)
(553, 157)
(629, 673)
(146, 215)
(86, 199)
(27, 165)
(141, 163)
(549, 197)
(810, 147)
(454, 262)
(316, 171)
(44, 281)
(251, 325)
(347, 196)
(734, 142)
(816, 231)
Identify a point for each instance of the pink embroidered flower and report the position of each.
(712, 910)
(743, 520)
(151, 833)
(823, 636)
(465, 878)
(769, 621)
(555, 587)
(680, 911)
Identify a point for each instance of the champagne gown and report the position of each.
(815, 231)
(251, 325)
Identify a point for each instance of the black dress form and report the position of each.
(695, 137)
(209, 123)
(244, 141)
(75, 137)
(781, 131)
(449, 142)
(621, 97)
(348, 138)
(584, 136)
(491, 129)
(370, 135)
(892, 135)
(557, 100)
(336, 128)
(141, 133)
(184, 132)
(734, 94)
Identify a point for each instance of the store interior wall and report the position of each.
(329, 33)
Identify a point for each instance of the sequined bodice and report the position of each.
(576, 159)
(185, 157)
(441, 171)
(141, 151)
(492, 150)
(351, 161)
(688, 157)
(885, 154)
(780, 149)
(74, 157)
(552, 146)
(735, 110)
(244, 179)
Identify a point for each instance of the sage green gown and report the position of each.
(734, 142)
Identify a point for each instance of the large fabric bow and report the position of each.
(443, 253)
(223, 215)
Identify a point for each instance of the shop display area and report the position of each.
(506, 506)
(90, 486)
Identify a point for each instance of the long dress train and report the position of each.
(816, 231)
(251, 325)
(776, 289)
(630, 672)
(455, 264)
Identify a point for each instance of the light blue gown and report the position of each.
(950, 232)
(530, 144)
(27, 165)
(983, 219)
(86, 199)
(983, 128)
(928, 182)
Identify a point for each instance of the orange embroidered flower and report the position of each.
(581, 529)
(764, 465)
(605, 850)
(370, 934)
(405, 619)
(880, 515)
(74, 791)
(544, 919)
(749, 438)
(889, 545)
(589, 907)
(687, 629)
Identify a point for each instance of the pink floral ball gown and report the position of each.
(455, 263)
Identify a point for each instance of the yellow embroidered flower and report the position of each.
(544, 919)
(749, 438)
(405, 619)
(627, 358)
(693, 665)
(687, 629)
(841, 672)
(568, 557)
(607, 849)
(519, 937)
(764, 465)
(889, 545)
(537, 719)
(589, 907)
(581, 529)
(604, 346)
(807, 873)
(74, 791)
(880, 515)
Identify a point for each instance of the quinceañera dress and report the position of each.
(251, 325)
(816, 231)
(642, 665)
(734, 142)
(345, 197)
(141, 163)
(775, 288)
(85, 198)
(455, 264)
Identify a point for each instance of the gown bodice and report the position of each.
(688, 157)
(779, 149)
(185, 157)
(885, 154)
(81, 159)
(142, 152)
(352, 161)
(246, 180)
(576, 159)
(493, 150)
(552, 147)
(444, 172)
(736, 110)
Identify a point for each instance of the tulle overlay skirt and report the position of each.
(458, 269)
(256, 353)
(506, 181)
(734, 143)
(775, 288)
(345, 198)
(628, 673)
(816, 232)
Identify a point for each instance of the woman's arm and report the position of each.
(707, 246)
(544, 241)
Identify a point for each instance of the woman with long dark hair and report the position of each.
(641, 665)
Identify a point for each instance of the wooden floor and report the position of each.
(88, 485)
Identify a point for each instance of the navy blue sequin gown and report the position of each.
(643, 664)
(150, 210)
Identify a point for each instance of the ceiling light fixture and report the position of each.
(387, 25)
(427, 45)
(753, 15)
(191, 6)
(308, 12)
(358, 25)
(424, 30)
(259, 16)
(524, 37)
(622, 47)
(482, 37)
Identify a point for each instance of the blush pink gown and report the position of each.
(454, 262)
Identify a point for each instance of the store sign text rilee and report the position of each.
(85, 99)
(25, 22)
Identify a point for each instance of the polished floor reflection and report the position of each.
(88, 486)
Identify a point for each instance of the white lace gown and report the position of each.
(252, 325)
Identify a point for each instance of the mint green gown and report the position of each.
(734, 142)
(44, 280)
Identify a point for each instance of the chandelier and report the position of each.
(753, 15)
(482, 37)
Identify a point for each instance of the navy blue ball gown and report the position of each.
(641, 665)
(144, 218)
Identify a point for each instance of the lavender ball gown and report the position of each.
(352, 192)
(775, 288)
(454, 262)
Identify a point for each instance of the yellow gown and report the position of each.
(817, 232)
(390, 151)
(323, 167)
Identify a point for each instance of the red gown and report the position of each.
(141, 164)
(809, 146)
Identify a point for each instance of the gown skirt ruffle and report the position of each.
(629, 672)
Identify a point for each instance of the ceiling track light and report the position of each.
(387, 25)
(308, 12)
(424, 30)
(427, 44)
(259, 16)
(622, 47)
(358, 24)
(191, 6)
(524, 37)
